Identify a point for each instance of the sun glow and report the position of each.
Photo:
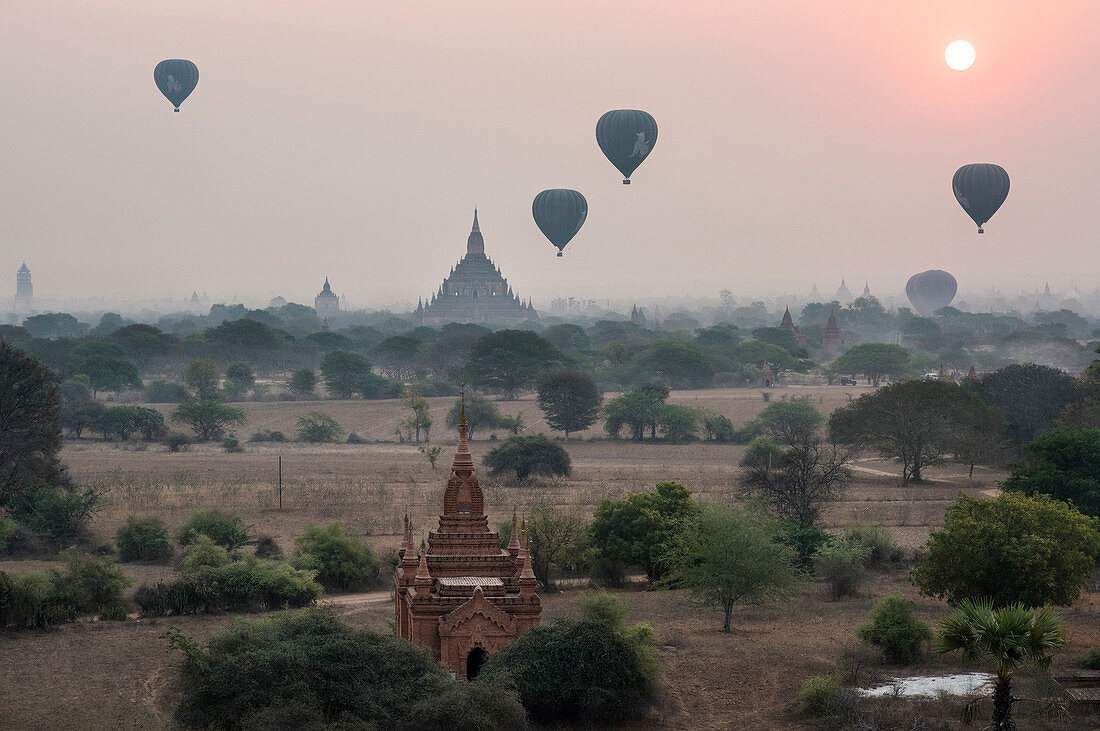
(959, 55)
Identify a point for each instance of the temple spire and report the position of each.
(476, 228)
(476, 243)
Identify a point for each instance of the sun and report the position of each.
(959, 55)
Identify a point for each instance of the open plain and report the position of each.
(97, 674)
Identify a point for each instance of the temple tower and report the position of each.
(24, 290)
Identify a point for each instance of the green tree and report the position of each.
(121, 422)
(481, 414)
(509, 360)
(109, 374)
(555, 538)
(318, 427)
(874, 360)
(681, 365)
(208, 419)
(570, 400)
(1010, 549)
(420, 418)
(30, 440)
(1031, 397)
(239, 337)
(239, 378)
(347, 374)
(79, 410)
(526, 456)
(1064, 464)
(792, 423)
(203, 377)
(641, 529)
(143, 343)
(567, 338)
(914, 422)
(678, 423)
(637, 410)
(397, 356)
(729, 557)
(1006, 639)
(301, 670)
(302, 382)
(55, 325)
(430, 452)
(896, 630)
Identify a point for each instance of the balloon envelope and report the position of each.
(626, 136)
(931, 290)
(980, 188)
(176, 78)
(559, 214)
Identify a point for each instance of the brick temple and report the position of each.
(463, 596)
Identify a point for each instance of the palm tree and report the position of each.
(1005, 638)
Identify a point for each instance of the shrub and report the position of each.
(896, 630)
(302, 667)
(232, 445)
(526, 456)
(341, 562)
(177, 441)
(607, 571)
(576, 672)
(883, 550)
(267, 547)
(485, 703)
(92, 585)
(841, 564)
(225, 529)
(204, 552)
(717, 428)
(317, 427)
(267, 435)
(143, 539)
(1090, 660)
(31, 601)
(165, 392)
(247, 584)
(354, 438)
(9, 534)
(57, 515)
(820, 696)
(804, 539)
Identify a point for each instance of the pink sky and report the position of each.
(799, 141)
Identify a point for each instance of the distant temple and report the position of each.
(788, 325)
(843, 295)
(831, 338)
(464, 597)
(326, 302)
(638, 317)
(474, 291)
(24, 290)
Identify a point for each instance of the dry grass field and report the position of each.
(117, 675)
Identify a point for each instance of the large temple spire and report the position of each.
(476, 243)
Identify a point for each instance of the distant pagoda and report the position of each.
(24, 289)
(326, 302)
(474, 291)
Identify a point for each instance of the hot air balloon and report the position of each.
(559, 213)
(931, 290)
(980, 189)
(626, 137)
(176, 78)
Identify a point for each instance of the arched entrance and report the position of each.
(474, 661)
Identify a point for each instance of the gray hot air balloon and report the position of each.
(626, 136)
(931, 290)
(176, 78)
(980, 188)
(559, 214)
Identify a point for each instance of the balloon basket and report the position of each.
(981, 230)
(559, 253)
(626, 181)
(176, 109)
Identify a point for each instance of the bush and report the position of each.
(896, 630)
(804, 539)
(204, 552)
(1090, 660)
(302, 667)
(268, 435)
(340, 562)
(31, 601)
(177, 442)
(475, 706)
(247, 584)
(354, 438)
(717, 428)
(43, 599)
(9, 534)
(92, 585)
(841, 564)
(143, 539)
(576, 672)
(266, 547)
(607, 571)
(820, 696)
(57, 515)
(232, 445)
(318, 427)
(164, 392)
(883, 550)
(225, 529)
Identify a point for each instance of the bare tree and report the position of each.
(798, 481)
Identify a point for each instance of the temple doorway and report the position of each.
(474, 661)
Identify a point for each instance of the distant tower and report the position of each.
(866, 289)
(831, 338)
(195, 304)
(788, 325)
(843, 296)
(815, 296)
(326, 302)
(638, 316)
(24, 290)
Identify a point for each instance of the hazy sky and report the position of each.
(799, 141)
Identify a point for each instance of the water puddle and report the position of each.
(933, 685)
